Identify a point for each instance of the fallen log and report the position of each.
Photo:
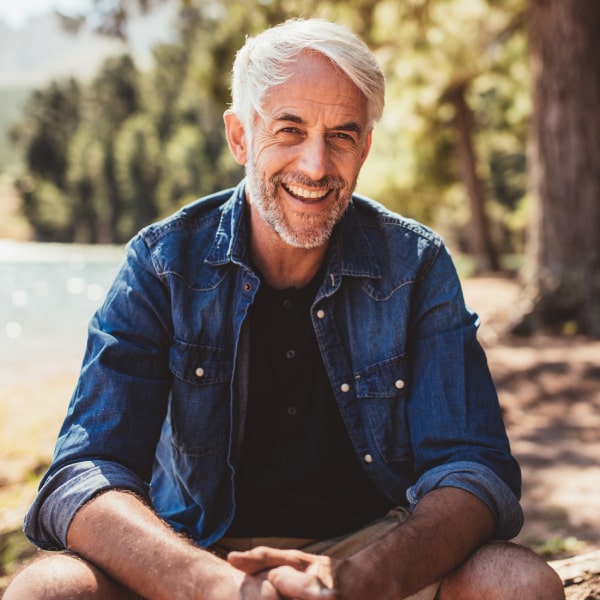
(580, 575)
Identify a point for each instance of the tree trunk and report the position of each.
(479, 241)
(562, 276)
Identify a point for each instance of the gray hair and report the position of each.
(263, 63)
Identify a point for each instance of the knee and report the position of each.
(55, 576)
(44, 579)
(504, 571)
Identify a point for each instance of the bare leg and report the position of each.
(502, 571)
(67, 577)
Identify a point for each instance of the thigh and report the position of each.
(64, 575)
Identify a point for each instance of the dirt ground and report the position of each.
(549, 389)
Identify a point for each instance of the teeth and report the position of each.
(307, 194)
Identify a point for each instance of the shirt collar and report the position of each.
(350, 252)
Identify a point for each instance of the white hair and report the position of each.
(264, 60)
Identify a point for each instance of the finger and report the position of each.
(291, 583)
(262, 557)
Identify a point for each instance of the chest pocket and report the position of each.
(382, 391)
(199, 410)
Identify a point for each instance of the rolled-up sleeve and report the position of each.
(66, 491)
(480, 481)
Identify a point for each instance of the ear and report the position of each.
(236, 137)
(367, 147)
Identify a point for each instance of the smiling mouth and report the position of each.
(306, 195)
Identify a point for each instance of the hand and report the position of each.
(257, 587)
(293, 573)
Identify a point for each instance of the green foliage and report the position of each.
(130, 146)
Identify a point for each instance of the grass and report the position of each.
(15, 549)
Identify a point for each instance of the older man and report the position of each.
(282, 395)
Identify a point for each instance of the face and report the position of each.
(305, 152)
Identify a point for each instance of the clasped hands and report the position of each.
(290, 573)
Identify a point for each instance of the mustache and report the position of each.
(329, 181)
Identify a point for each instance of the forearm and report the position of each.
(445, 527)
(119, 533)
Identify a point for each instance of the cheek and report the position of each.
(348, 166)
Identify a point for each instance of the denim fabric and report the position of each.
(160, 403)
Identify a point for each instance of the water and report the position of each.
(48, 292)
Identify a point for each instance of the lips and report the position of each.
(306, 194)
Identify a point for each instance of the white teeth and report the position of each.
(304, 193)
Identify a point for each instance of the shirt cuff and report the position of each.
(480, 481)
(66, 491)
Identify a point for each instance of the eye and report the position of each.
(343, 137)
(290, 130)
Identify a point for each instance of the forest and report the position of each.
(491, 133)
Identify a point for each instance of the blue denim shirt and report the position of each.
(159, 406)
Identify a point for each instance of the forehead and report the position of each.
(317, 88)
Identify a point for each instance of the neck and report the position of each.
(280, 264)
(292, 267)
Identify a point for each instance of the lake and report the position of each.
(48, 292)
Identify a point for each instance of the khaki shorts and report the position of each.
(340, 547)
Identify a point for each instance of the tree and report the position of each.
(51, 117)
(112, 98)
(562, 277)
(448, 39)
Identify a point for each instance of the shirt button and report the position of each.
(345, 387)
(199, 372)
(320, 314)
(400, 384)
(287, 304)
(290, 354)
(368, 458)
(292, 411)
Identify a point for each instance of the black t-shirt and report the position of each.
(298, 474)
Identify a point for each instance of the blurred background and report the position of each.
(111, 118)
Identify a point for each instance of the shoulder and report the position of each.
(201, 215)
(199, 234)
(375, 216)
(401, 246)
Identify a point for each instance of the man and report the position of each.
(282, 395)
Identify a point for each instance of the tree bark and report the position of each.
(481, 247)
(562, 274)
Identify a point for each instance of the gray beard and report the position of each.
(314, 230)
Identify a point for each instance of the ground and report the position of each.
(549, 390)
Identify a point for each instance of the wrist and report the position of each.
(359, 578)
(350, 580)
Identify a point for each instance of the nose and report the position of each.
(314, 161)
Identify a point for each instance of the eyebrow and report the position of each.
(348, 126)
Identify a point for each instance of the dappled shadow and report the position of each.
(549, 390)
